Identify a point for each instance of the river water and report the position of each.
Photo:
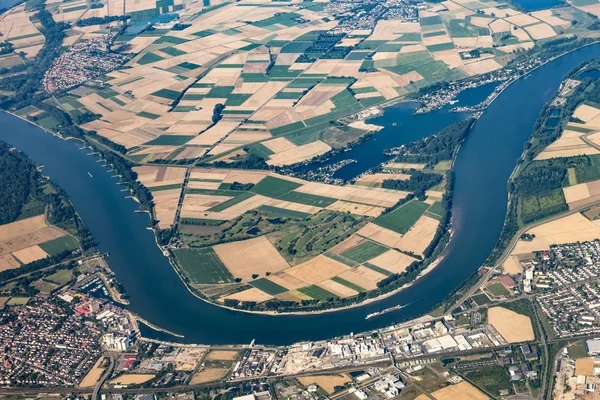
(482, 168)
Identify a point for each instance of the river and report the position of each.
(482, 168)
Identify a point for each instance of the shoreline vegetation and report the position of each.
(114, 154)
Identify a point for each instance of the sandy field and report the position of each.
(290, 282)
(362, 276)
(165, 206)
(540, 31)
(548, 17)
(223, 355)
(337, 288)
(317, 269)
(586, 113)
(569, 229)
(209, 375)
(374, 196)
(576, 192)
(188, 358)
(522, 20)
(380, 177)
(405, 166)
(131, 379)
(463, 391)
(248, 257)
(194, 203)
(419, 235)
(299, 154)
(30, 254)
(24, 235)
(393, 261)
(93, 376)
(513, 327)
(240, 208)
(7, 261)
(584, 366)
(380, 234)
(356, 209)
(151, 176)
(325, 382)
(512, 266)
(253, 294)
(288, 205)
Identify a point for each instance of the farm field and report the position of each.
(512, 326)
(325, 382)
(31, 239)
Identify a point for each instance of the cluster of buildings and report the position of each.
(83, 61)
(387, 387)
(43, 343)
(566, 88)
(579, 377)
(347, 351)
(256, 362)
(435, 337)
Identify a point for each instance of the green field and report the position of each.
(317, 293)
(436, 208)
(172, 51)
(268, 286)
(481, 299)
(17, 301)
(428, 21)
(60, 277)
(164, 187)
(364, 251)
(274, 187)
(58, 245)
(308, 199)
(498, 289)
(283, 212)
(44, 287)
(202, 266)
(167, 94)
(170, 140)
(149, 58)
(350, 285)
(490, 378)
(377, 269)
(341, 259)
(231, 202)
(401, 219)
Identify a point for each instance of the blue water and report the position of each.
(482, 168)
(535, 5)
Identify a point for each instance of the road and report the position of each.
(107, 373)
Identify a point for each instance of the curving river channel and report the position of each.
(482, 168)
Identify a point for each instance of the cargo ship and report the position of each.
(387, 310)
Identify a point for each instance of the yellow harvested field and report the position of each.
(26, 233)
(204, 185)
(240, 208)
(347, 244)
(299, 153)
(94, 375)
(481, 67)
(151, 176)
(584, 366)
(223, 355)
(512, 266)
(325, 382)
(576, 192)
(286, 280)
(396, 165)
(569, 144)
(522, 19)
(380, 234)
(215, 133)
(165, 206)
(380, 177)
(288, 205)
(540, 31)
(131, 379)
(393, 261)
(461, 391)
(30, 254)
(592, 9)
(243, 176)
(7, 261)
(209, 375)
(362, 276)
(319, 94)
(374, 196)
(253, 294)
(569, 229)
(548, 17)
(248, 257)
(356, 209)
(194, 203)
(513, 327)
(586, 113)
(279, 145)
(337, 288)
(317, 269)
(419, 235)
